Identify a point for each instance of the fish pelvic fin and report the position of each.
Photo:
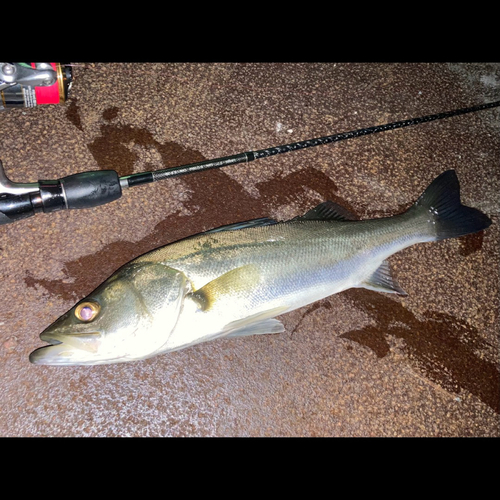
(268, 326)
(446, 216)
(257, 324)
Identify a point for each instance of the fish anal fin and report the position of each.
(382, 281)
(233, 282)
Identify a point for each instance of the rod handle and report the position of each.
(15, 207)
(84, 190)
(91, 189)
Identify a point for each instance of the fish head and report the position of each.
(129, 317)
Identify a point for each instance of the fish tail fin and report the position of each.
(446, 216)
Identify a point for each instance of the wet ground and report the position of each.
(358, 363)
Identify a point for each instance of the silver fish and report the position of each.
(233, 281)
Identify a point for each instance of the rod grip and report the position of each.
(15, 207)
(84, 190)
(91, 189)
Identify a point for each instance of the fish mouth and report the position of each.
(67, 349)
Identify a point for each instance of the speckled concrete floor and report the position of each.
(355, 364)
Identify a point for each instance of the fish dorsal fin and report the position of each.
(235, 281)
(328, 210)
(263, 221)
(382, 281)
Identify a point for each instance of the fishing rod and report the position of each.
(94, 188)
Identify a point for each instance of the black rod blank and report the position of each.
(90, 189)
(157, 175)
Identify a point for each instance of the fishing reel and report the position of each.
(24, 85)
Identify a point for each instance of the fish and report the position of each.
(235, 280)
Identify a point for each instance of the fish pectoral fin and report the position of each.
(257, 324)
(234, 282)
(382, 281)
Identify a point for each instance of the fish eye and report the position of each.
(87, 311)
